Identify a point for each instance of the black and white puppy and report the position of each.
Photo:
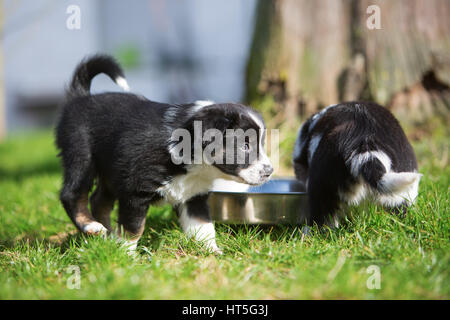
(125, 144)
(354, 151)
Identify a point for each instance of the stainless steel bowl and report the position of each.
(278, 201)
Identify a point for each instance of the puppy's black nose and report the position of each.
(267, 170)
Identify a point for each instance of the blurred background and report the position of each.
(172, 51)
(287, 58)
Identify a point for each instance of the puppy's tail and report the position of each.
(89, 68)
(375, 169)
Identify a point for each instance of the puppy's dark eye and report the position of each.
(246, 147)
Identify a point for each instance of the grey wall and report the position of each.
(187, 50)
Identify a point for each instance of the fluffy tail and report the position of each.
(395, 182)
(92, 66)
(375, 168)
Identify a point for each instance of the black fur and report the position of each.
(88, 69)
(345, 131)
(199, 205)
(122, 141)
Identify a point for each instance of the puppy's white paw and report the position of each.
(130, 246)
(213, 248)
(94, 228)
(217, 251)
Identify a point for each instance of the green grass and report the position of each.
(38, 245)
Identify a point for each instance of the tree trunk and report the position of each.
(309, 54)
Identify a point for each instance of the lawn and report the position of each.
(42, 257)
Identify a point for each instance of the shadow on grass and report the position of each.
(260, 231)
(44, 168)
(63, 241)
(34, 240)
(159, 224)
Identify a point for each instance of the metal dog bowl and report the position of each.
(278, 201)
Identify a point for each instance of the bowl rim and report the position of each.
(263, 192)
(260, 193)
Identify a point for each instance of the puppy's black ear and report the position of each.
(221, 124)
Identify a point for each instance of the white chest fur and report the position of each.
(198, 180)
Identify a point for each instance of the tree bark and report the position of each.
(309, 54)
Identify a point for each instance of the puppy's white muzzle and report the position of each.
(258, 172)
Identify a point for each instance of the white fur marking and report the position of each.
(257, 121)
(121, 82)
(199, 104)
(252, 174)
(313, 144)
(396, 187)
(197, 180)
(94, 228)
(199, 230)
(129, 245)
(229, 186)
(358, 160)
(357, 193)
(397, 181)
(408, 193)
(299, 143)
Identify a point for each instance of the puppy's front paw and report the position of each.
(130, 247)
(213, 248)
(217, 251)
(94, 228)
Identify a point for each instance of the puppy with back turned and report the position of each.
(354, 151)
(125, 144)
